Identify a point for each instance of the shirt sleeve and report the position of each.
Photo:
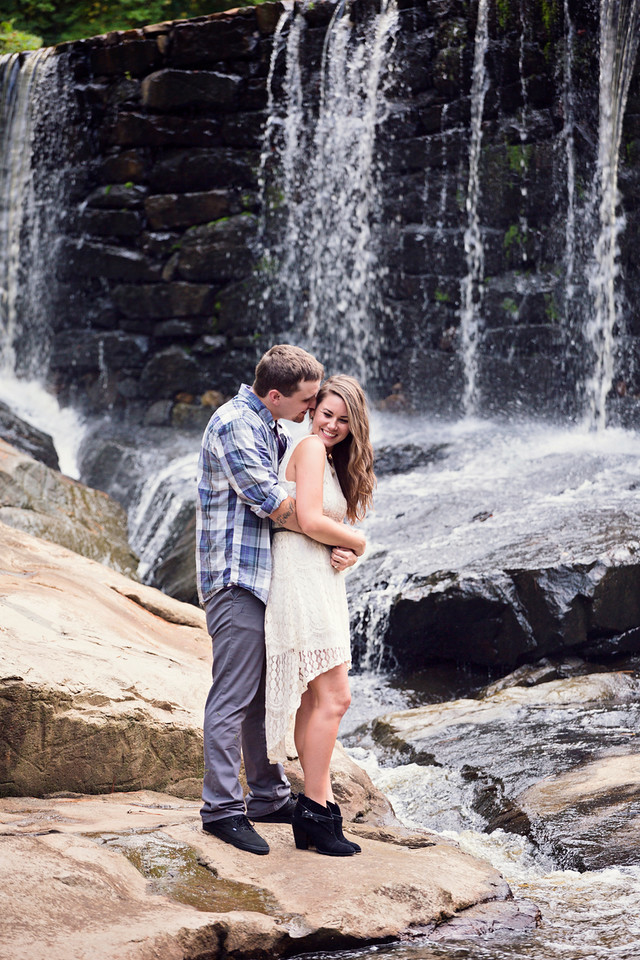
(245, 458)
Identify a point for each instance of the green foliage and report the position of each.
(513, 237)
(519, 157)
(13, 41)
(510, 306)
(504, 13)
(551, 308)
(65, 20)
(442, 296)
(550, 10)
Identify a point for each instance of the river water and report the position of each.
(585, 916)
(527, 492)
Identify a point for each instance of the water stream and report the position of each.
(327, 260)
(471, 310)
(619, 39)
(29, 217)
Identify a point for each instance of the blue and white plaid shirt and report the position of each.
(237, 490)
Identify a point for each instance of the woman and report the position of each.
(330, 472)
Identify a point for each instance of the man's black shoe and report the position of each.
(238, 832)
(283, 814)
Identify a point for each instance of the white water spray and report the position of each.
(28, 83)
(471, 288)
(328, 269)
(619, 38)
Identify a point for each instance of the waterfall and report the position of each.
(328, 263)
(471, 289)
(20, 78)
(569, 120)
(31, 207)
(619, 37)
(165, 502)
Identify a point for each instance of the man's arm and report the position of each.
(245, 460)
(285, 516)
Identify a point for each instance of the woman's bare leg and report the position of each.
(322, 707)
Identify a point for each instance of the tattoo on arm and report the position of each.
(290, 511)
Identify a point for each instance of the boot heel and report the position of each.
(301, 838)
(313, 826)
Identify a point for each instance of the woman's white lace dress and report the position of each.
(307, 619)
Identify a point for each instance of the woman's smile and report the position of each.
(330, 420)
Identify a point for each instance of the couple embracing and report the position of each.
(272, 545)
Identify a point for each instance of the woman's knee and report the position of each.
(336, 701)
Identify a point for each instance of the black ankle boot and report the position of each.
(334, 810)
(313, 826)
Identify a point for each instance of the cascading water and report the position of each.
(619, 39)
(328, 255)
(569, 120)
(471, 293)
(30, 214)
(20, 104)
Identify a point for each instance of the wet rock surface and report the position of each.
(552, 759)
(514, 544)
(134, 876)
(27, 438)
(101, 691)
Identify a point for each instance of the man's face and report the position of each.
(301, 400)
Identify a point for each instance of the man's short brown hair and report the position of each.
(283, 367)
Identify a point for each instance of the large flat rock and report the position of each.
(78, 895)
(102, 685)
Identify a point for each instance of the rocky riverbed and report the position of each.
(102, 683)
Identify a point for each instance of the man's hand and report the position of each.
(342, 557)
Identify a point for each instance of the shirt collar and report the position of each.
(253, 400)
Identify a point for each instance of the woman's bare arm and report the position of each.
(308, 461)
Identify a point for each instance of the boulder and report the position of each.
(27, 438)
(36, 499)
(215, 40)
(168, 372)
(103, 708)
(516, 614)
(552, 759)
(219, 252)
(401, 458)
(499, 570)
(91, 259)
(137, 129)
(200, 169)
(167, 211)
(155, 301)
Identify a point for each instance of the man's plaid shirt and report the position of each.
(237, 490)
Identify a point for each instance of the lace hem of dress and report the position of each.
(288, 675)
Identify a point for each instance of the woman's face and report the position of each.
(330, 420)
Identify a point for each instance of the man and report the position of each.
(238, 498)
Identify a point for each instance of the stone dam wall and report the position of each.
(160, 291)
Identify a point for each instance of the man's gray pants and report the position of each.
(234, 712)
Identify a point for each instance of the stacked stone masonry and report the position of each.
(159, 290)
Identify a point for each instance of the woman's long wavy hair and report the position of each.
(353, 456)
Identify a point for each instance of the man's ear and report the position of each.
(274, 397)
